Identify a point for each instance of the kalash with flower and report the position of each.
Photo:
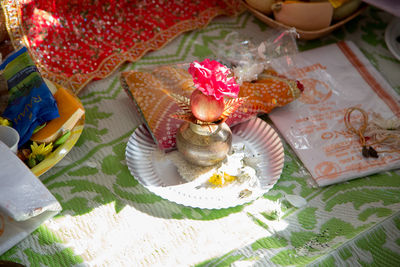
(207, 98)
(204, 139)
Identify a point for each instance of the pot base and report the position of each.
(204, 145)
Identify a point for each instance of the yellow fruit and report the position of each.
(307, 16)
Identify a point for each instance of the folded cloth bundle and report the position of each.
(149, 90)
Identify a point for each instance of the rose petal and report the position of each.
(212, 78)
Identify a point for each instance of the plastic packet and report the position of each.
(30, 102)
(248, 59)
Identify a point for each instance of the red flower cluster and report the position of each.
(213, 79)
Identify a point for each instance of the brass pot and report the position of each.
(204, 145)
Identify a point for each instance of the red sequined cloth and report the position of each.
(76, 41)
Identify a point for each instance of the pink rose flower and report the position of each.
(212, 78)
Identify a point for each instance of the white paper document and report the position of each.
(335, 77)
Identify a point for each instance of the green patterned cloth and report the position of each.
(109, 219)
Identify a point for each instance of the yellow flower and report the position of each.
(40, 151)
(4, 122)
(219, 180)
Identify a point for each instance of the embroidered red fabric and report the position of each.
(75, 41)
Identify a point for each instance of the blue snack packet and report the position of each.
(30, 101)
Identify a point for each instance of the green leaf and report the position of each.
(300, 239)
(93, 115)
(273, 197)
(391, 180)
(111, 165)
(125, 178)
(374, 242)
(84, 171)
(91, 134)
(345, 253)
(78, 205)
(364, 196)
(289, 257)
(202, 214)
(287, 189)
(306, 218)
(119, 150)
(258, 221)
(119, 205)
(202, 51)
(269, 242)
(337, 227)
(380, 212)
(66, 256)
(147, 198)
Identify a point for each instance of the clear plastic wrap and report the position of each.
(248, 59)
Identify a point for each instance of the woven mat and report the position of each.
(108, 219)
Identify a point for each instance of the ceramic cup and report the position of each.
(10, 137)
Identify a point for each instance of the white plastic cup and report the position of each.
(10, 137)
